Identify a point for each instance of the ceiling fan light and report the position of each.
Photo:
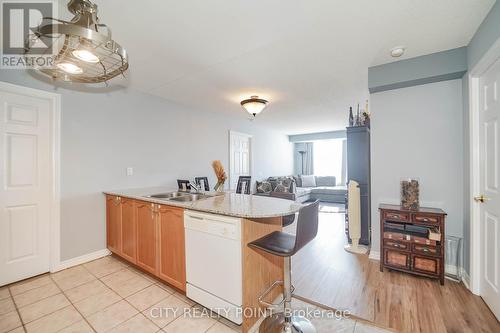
(69, 68)
(254, 105)
(85, 55)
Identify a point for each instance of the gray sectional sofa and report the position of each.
(324, 188)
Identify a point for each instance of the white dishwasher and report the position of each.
(213, 263)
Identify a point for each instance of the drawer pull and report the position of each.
(196, 217)
(425, 219)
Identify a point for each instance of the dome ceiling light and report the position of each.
(254, 105)
(397, 51)
(84, 49)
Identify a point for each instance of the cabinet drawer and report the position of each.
(396, 259)
(426, 265)
(396, 245)
(425, 218)
(427, 250)
(396, 216)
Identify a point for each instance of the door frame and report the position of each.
(475, 73)
(55, 145)
(250, 155)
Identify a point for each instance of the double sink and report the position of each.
(180, 196)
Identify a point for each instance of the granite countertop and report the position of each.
(225, 203)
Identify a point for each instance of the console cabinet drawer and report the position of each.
(427, 250)
(396, 259)
(396, 216)
(426, 265)
(396, 244)
(425, 218)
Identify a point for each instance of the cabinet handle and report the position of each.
(195, 217)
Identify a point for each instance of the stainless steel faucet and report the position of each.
(195, 187)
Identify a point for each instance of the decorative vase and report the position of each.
(219, 187)
(410, 192)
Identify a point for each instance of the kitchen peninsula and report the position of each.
(197, 243)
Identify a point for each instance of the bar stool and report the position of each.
(286, 245)
(289, 219)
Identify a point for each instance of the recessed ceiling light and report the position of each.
(397, 51)
(70, 68)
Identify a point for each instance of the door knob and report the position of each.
(480, 198)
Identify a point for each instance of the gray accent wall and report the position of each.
(104, 133)
(435, 67)
(418, 132)
(486, 35)
(308, 137)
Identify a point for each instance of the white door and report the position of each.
(489, 143)
(25, 180)
(239, 156)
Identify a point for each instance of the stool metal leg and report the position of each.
(284, 322)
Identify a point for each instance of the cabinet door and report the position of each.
(129, 230)
(113, 223)
(146, 237)
(396, 259)
(426, 265)
(171, 244)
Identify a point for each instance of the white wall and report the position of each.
(418, 132)
(104, 133)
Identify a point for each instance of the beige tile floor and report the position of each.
(106, 295)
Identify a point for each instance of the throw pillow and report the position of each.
(281, 188)
(264, 187)
(308, 181)
(326, 181)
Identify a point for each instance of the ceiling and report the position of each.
(308, 58)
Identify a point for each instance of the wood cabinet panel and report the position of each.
(172, 267)
(397, 259)
(113, 223)
(147, 237)
(426, 265)
(129, 230)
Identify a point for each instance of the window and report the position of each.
(328, 158)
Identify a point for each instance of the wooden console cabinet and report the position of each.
(403, 247)
(148, 235)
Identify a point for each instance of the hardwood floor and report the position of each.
(324, 273)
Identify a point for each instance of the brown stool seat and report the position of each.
(278, 243)
(285, 245)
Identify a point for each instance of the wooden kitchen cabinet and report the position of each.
(129, 230)
(147, 236)
(172, 263)
(113, 223)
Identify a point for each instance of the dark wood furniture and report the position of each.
(202, 181)
(183, 184)
(405, 244)
(244, 184)
(358, 169)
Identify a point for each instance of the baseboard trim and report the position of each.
(80, 260)
(465, 278)
(374, 255)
